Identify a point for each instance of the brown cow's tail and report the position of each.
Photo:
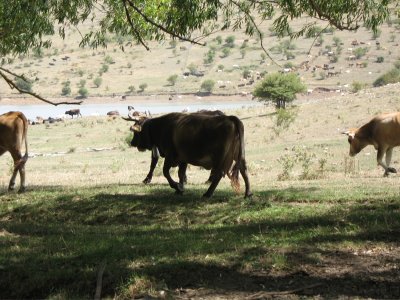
(239, 156)
(24, 158)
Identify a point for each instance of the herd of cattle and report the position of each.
(209, 139)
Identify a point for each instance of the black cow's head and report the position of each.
(141, 138)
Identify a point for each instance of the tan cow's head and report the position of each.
(356, 141)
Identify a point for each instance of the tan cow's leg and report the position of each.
(379, 159)
(388, 159)
(11, 185)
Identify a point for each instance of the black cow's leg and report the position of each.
(167, 166)
(210, 178)
(243, 171)
(215, 180)
(182, 174)
(154, 159)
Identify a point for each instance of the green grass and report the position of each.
(53, 240)
(84, 209)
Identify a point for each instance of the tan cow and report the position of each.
(13, 133)
(383, 132)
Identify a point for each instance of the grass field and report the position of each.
(331, 229)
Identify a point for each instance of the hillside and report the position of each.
(122, 72)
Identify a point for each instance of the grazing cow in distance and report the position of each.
(212, 142)
(13, 134)
(383, 132)
(113, 113)
(155, 155)
(74, 112)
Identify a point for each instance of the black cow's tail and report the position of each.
(239, 155)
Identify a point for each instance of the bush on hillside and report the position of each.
(23, 84)
(392, 76)
(83, 92)
(207, 85)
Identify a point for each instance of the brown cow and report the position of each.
(383, 132)
(13, 133)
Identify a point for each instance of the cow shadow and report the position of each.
(177, 240)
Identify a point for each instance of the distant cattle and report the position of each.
(113, 113)
(212, 142)
(13, 135)
(383, 132)
(74, 112)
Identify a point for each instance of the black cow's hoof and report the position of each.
(392, 170)
(249, 195)
(146, 180)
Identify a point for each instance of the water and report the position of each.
(45, 111)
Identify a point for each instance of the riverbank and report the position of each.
(129, 99)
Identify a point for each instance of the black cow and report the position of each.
(155, 154)
(74, 112)
(212, 142)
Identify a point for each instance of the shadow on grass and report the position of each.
(52, 242)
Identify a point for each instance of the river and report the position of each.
(45, 111)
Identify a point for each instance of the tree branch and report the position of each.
(12, 85)
(159, 26)
(128, 16)
(324, 16)
(258, 32)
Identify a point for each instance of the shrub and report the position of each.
(336, 41)
(207, 85)
(246, 73)
(356, 86)
(360, 52)
(172, 79)
(230, 41)
(392, 76)
(226, 52)
(103, 69)
(24, 84)
(97, 81)
(192, 68)
(142, 87)
(66, 89)
(109, 60)
(131, 89)
(173, 43)
(83, 92)
(82, 83)
(243, 52)
(284, 117)
(380, 59)
(209, 57)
